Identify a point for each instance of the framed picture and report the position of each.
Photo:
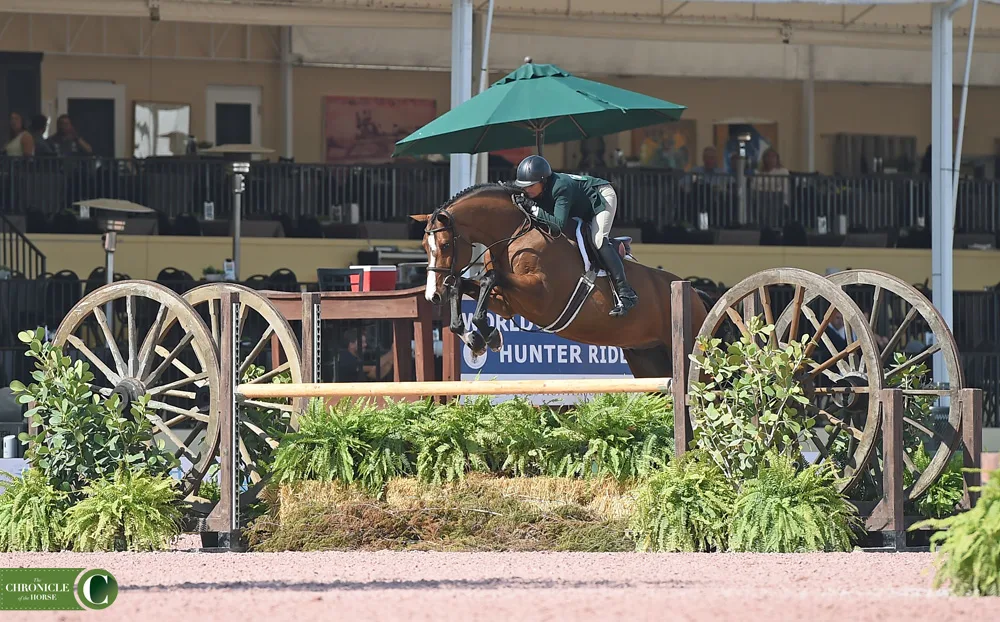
(671, 145)
(160, 129)
(366, 129)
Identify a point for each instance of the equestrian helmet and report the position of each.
(532, 170)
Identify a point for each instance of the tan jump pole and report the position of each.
(465, 387)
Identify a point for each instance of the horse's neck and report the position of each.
(492, 226)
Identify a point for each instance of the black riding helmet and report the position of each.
(532, 170)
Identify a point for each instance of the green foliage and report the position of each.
(327, 445)
(83, 438)
(784, 511)
(968, 549)
(447, 443)
(751, 402)
(515, 436)
(31, 513)
(943, 495)
(624, 436)
(684, 508)
(132, 511)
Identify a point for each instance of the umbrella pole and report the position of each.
(539, 138)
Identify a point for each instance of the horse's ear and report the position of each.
(444, 217)
(420, 217)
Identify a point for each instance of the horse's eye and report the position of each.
(446, 246)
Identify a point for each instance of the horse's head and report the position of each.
(445, 257)
(452, 229)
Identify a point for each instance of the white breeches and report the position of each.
(601, 225)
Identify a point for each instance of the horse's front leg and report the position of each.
(494, 339)
(475, 341)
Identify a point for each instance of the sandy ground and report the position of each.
(200, 587)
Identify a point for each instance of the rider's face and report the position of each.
(533, 190)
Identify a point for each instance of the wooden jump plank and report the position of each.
(482, 387)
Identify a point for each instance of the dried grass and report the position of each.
(481, 513)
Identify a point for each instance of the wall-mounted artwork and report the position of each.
(763, 136)
(160, 129)
(366, 129)
(668, 145)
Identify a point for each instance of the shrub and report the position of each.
(684, 508)
(751, 402)
(784, 511)
(132, 511)
(968, 549)
(82, 438)
(31, 513)
(941, 497)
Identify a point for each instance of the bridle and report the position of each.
(451, 276)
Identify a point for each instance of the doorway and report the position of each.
(232, 115)
(97, 110)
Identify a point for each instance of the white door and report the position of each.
(232, 115)
(97, 110)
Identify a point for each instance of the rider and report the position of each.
(558, 197)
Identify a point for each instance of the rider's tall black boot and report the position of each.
(627, 298)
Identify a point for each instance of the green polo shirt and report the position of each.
(568, 196)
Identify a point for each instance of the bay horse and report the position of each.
(532, 272)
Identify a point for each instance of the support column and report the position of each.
(942, 238)
(287, 99)
(809, 110)
(461, 83)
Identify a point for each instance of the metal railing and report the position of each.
(18, 256)
(42, 188)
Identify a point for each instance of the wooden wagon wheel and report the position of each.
(897, 310)
(269, 352)
(842, 393)
(164, 350)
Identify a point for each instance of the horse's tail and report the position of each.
(727, 330)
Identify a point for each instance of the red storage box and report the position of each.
(374, 279)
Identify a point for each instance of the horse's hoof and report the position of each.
(476, 343)
(495, 340)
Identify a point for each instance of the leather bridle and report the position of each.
(451, 276)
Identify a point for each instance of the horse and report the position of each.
(533, 272)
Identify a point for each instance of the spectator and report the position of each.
(709, 161)
(349, 365)
(770, 167)
(21, 143)
(40, 123)
(66, 142)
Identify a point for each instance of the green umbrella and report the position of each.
(536, 104)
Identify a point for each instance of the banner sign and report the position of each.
(529, 355)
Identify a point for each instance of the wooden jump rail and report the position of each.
(467, 387)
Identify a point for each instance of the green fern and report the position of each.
(446, 442)
(685, 508)
(327, 445)
(784, 511)
(133, 511)
(386, 434)
(514, 436)
(969, 547)
(32, 513)
(624, 436)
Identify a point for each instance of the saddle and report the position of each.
(585, 242)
